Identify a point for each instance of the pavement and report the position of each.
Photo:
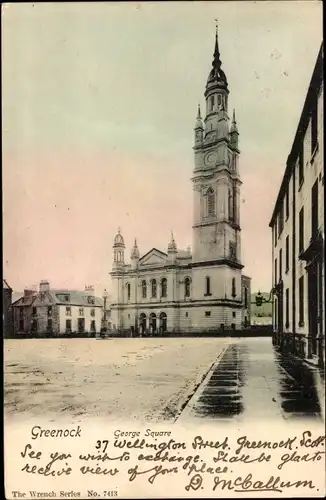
(251, 381)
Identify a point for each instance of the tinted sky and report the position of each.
(99, 104)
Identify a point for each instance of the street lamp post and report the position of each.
(104, 328)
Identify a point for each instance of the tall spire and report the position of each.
(217, 75)
(216, 60)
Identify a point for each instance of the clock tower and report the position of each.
(216, 186)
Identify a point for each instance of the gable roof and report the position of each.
(25, 300)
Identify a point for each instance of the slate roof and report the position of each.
(76, 298)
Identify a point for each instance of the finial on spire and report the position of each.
(234, 128)
(198, 114)
(216, 50)
(119, 229)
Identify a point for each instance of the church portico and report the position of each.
(200, 289)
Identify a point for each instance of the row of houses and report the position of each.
(297, 225)
(51, 312)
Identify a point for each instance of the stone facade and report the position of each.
(184, 291)
(57, 312)
(298, 233)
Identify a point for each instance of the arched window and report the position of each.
(128, 291)
(187, 287)
(163, 321)
(164, 287)
(233, 288)
(210, 200)
(142, 322)
(212, 103)
(152, 323)
(207, 285)
(219, 99)
(154, 288)
(144, 289)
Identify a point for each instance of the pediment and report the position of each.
(153, 258)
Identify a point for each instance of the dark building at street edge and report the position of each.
(298, 233)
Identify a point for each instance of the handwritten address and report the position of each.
(200, 463)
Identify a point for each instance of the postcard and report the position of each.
(164, 278)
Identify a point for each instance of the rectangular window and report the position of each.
(280, 264)
(208, 286)
(92, 312)
(301, 162)
(50, 325)
(93, 326)
(275, 232)
(314, 209)
(68, 324)
(314, 124)
(287, 310)
(281, 219)
(287, 254)
(34, 311)
(207, 313)
(275, 312)
(81, 311)
(301, 301)
(68, 311)
(21, 325)
(234, 314)
(186, 315)
(301, 230)
(50, 311)
(275, 272)
(246, 297)
(287, 203)
(81, 325)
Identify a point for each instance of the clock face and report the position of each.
(211, 159)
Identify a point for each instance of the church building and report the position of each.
(184, 291)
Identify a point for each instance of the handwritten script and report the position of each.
(200, 463)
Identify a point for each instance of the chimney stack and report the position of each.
(44, 286)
